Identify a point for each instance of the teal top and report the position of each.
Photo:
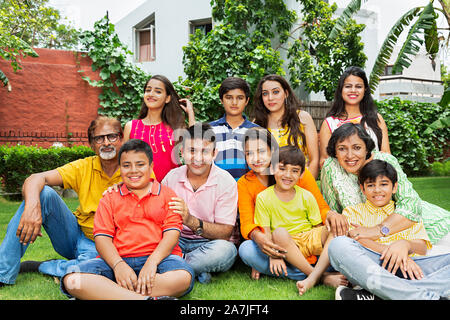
(341, 189)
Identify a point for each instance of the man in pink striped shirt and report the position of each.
(207, 201)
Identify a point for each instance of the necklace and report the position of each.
(280, 132)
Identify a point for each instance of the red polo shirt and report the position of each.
(137, 225)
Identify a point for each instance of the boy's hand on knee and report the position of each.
(125, 276)
(412, 269)
(146, 279)
(396, 254)
(278, 267)
(268, 247)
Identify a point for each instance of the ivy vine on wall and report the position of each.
(121, 80)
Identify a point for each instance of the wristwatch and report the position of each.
(384, 230)
(199, 230)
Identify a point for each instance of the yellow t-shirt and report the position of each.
(282, 135)
(87, 178)
(368, 215)
(298, 215)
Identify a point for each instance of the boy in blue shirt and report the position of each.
(234, 94)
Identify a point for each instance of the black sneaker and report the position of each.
(344, 293)
(30, 266)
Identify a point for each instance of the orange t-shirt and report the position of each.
(137, 225)
(249, 187)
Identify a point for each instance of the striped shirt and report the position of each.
(368, 215)
(229, 144)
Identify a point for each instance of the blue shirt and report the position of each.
(229, 144)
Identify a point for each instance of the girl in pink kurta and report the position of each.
(161, 113)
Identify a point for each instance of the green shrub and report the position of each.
(18, 162)
(407, 122)
(440, 169)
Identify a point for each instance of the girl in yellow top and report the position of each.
(276, 108)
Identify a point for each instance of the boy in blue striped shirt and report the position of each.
(234, 94)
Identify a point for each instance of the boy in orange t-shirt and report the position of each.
(136, 235)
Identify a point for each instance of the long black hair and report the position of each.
(172, 113)
(367, 106)
(290, 116)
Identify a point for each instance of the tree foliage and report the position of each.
(324, 49)
(25, 24)
(251, 36)
(411, 142)
(238, 45)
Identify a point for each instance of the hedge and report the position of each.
(406, 122)
(18, 162)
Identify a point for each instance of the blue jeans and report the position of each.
(100, 267)
(255, 258)
(63, 230)
(362, 267)
(205, 255)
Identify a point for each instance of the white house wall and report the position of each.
(172, 31)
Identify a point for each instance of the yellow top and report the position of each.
(368, 215)
(87, 178)
(300, 214)
(281, 136)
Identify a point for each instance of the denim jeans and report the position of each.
(99, 266)
(255, 258)
(362, 267)
(205, 255)
(63, 230)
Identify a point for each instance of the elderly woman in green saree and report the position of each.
(349, 149)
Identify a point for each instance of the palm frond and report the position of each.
(425, 23)
(346, 15)
(438, 124)
(388, 46)
(445, 100)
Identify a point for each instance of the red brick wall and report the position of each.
(49, 101)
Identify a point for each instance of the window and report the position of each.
(204, 25)
(145, 40)
(388, 71)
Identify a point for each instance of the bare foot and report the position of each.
(255, 274)
(304, 285)
(334, 279)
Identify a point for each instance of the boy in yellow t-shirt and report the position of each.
(291, 217)
(385, 267)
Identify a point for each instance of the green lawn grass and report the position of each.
(235, 284)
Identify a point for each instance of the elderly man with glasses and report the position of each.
(69, 232)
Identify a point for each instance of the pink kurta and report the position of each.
(160, 139)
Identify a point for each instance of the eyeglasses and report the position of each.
(112, 137)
